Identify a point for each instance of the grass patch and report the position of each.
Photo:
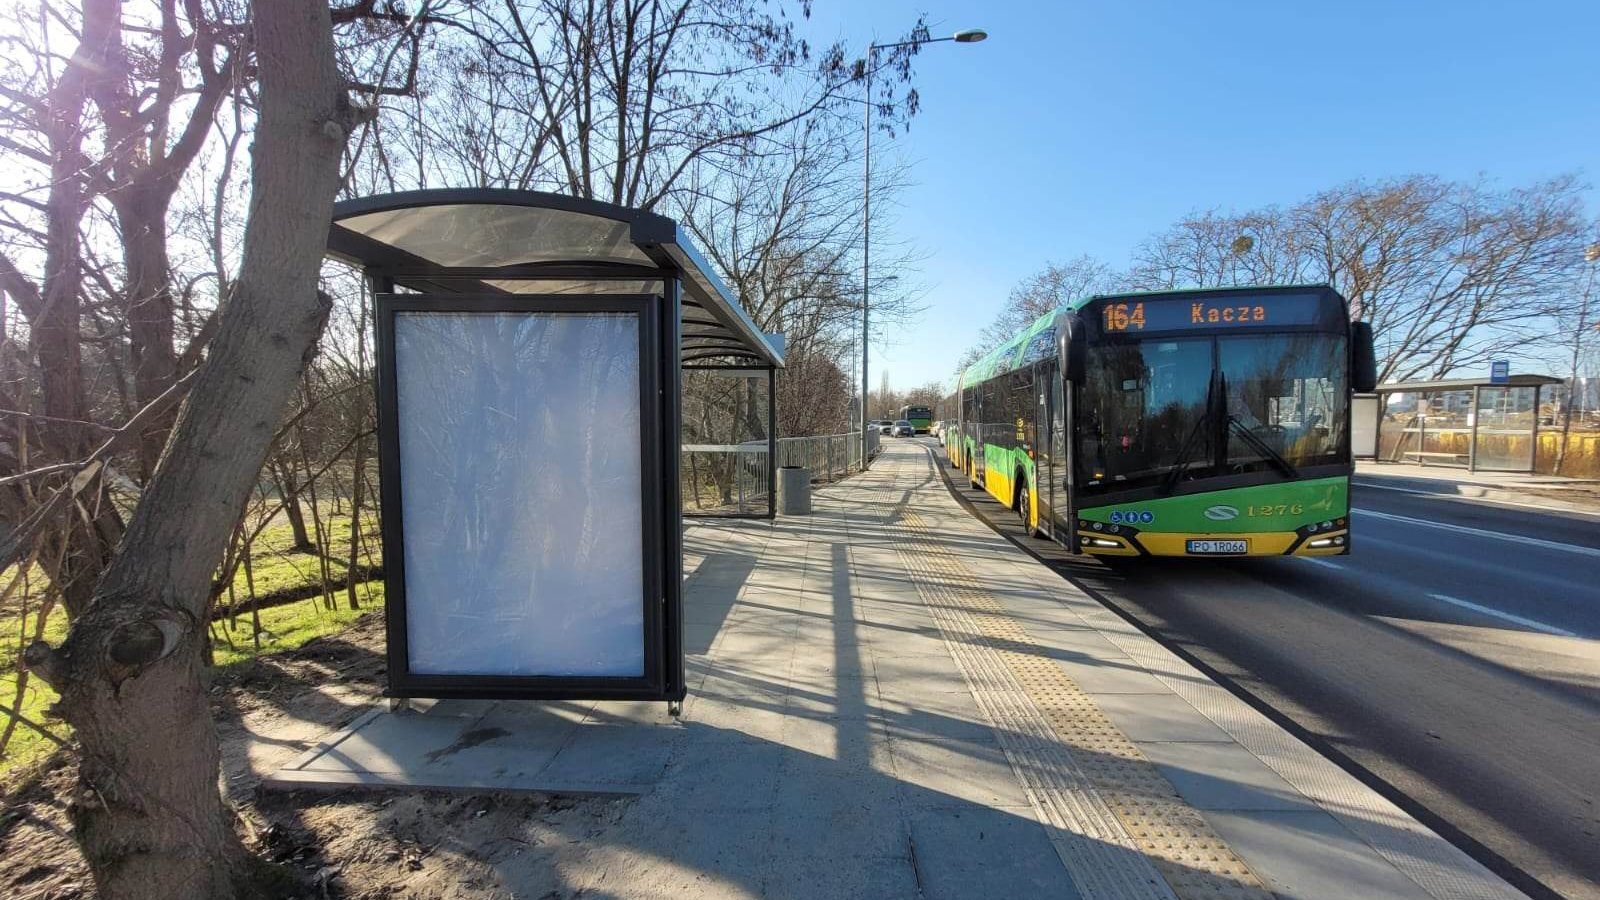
(27, 746)
(277, 566)
(291, 625)
(283, 628)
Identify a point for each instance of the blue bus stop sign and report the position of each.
(1499, 371)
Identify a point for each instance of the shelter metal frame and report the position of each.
(1477, 386)
(490, 250)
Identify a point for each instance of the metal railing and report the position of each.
(828, 456)
(732, 479)
(725, 479)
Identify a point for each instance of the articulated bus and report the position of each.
(920, 417)
(1182, 423)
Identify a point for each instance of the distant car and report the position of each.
(886, 427)
(903, 428)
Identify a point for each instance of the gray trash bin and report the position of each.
(794, 491)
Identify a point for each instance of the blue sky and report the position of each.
(1082, 127)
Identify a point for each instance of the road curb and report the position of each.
(1491, 860)
(1473, 492)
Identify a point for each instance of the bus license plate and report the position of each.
(1214, 547)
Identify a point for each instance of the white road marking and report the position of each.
(1325, 563)
(1480, 532)
(1482, 500)
(1500, 614)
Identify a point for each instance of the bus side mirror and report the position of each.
(1074, 349)
(1363, 359)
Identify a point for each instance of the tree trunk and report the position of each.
(142, 213)
(149, 816)
(355, 523)
(291, 508)
(55, 322)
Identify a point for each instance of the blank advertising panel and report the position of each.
(520, 454)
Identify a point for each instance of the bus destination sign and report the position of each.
(1211, 312)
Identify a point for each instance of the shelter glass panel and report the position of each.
(503, 417)
(1400, 427)
(724, 467)
(1447, 428)
(1505, 419)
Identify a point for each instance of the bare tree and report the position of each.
(785, 226)
(617, 101)
(1450, 274)
(1581, 324)
(1215, 250)
(1047, 290)
(149, 817)
(713, 111)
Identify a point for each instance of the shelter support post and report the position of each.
(672, 479)
(1472, 445)
(1533, 451)
(772, 442)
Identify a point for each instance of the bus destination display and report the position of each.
(1182, 314)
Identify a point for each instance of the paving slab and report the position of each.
(986, 853)
(1158, 717)
(955, 774)
(1308, 854)
(1223, 776)
(810, 876)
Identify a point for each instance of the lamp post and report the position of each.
(969, 36)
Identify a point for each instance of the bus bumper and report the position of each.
(1128, 542)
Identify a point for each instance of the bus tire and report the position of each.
(1024, 505)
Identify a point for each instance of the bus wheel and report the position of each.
(1024, 506)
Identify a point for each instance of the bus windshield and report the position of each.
(1207, 406)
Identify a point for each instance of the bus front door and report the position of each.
(1047, 454)
(1055, 513)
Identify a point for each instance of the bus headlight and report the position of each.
(1328, 542)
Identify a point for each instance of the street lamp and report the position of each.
(968, 36)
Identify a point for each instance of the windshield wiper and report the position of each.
(1181, 464)
(1263, 448)
(1254, 440)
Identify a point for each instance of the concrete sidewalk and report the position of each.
(889, 700)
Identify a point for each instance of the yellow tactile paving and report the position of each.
(990, 645)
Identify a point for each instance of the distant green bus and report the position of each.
(920, 417)
(1185, 423)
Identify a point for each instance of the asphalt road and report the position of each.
(1452, 661)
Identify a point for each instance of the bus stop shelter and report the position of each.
(1472, 423)
(530, 354)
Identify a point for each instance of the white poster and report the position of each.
(520, 490)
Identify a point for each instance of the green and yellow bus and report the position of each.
(920, 417)
(1179, 423)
